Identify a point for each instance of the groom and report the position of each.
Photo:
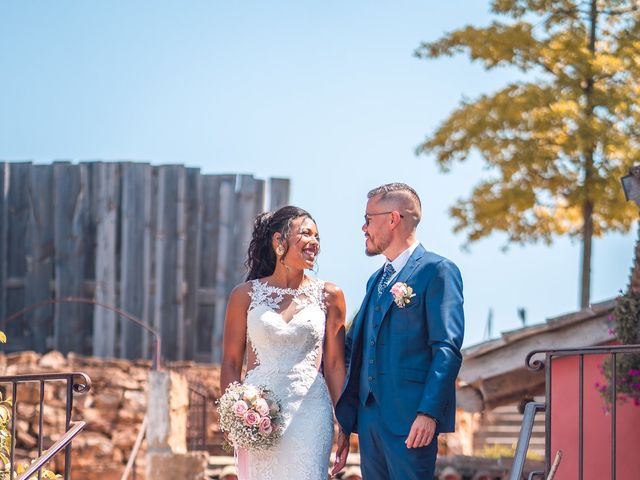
(403, 348)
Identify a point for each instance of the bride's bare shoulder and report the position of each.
(333, 292)
(241, 293)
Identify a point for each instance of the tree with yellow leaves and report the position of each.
(556, 144)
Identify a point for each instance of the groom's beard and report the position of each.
(376, 246)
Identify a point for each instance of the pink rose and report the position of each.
(398, 290)
(261, 406)
(240, 408)
(251, 418)
(265, 426)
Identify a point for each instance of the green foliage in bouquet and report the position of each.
(626, 326)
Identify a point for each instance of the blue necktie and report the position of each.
(386, 276)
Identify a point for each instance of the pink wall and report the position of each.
(597, 425)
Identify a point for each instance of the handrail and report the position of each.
(51, 452)
(90, 301)
(136, 446)
(520, 457)
(76, 382)
(545, 364)
(561, 352)
(78, 387)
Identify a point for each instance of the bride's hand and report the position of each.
(342, 452)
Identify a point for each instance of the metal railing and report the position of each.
(520, 456)
(63, 443)
(76, 382)
(532, 408)
(197, 420)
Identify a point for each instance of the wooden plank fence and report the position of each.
(163, 243)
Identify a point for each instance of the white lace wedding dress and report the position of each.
(288, 356)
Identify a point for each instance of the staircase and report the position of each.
(500, 427)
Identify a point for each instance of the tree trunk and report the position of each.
(587, 238)
(587, 207)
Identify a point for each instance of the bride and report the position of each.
(289, 323)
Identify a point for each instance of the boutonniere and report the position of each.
(402, 294)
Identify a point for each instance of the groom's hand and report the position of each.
(341, 453)
(422, 431)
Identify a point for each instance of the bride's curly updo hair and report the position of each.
(261, 258)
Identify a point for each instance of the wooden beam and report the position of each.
(40, 257)
(135, 261)
(193, 209)
(225, 274)
(210, 241)
(107, 187)
(18, 214)
(169, 260)
(71, 208)
(4, 226)
(278, 193)
(511, 387)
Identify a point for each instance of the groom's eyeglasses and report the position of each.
(367, 216)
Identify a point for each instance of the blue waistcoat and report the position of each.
(367, 369)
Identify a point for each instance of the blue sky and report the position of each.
(327, 94)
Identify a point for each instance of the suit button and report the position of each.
(370, 378)
(371, 362)
(373, 343)
(377, 309)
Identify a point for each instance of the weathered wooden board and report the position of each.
(40, 255)
(17, 219)
(209, 241)
(135, 265)
(150, 256)
(169, 261)
(225, 273)
(278, 193)
(193, 211)
(4, 226)
(71, 205)
(244, 220)
(107, 187)
(259, 200)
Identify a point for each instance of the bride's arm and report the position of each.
(333, 357)
(235, 336)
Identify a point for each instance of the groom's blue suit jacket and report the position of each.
(416, 354)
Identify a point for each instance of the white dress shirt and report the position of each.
(402, 259)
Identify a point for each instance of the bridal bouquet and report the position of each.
(250, 415)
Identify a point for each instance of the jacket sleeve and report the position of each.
(445, 321)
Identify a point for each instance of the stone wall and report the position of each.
(113, 409)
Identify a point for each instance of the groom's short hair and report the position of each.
(403, 196)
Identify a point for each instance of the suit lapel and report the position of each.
(387, 299)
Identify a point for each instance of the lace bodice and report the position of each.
(282, 345)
